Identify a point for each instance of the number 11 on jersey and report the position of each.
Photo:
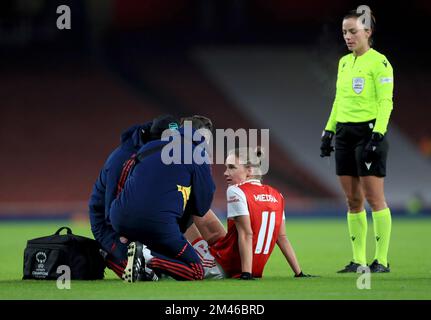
(263, 234)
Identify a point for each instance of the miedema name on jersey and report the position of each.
(265, 198)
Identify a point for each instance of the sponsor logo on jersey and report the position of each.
(358, 85)
(233, 199)
(265, 198)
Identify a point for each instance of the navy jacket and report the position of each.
(105, 188)
(156, 193)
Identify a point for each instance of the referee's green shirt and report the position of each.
(364, 91)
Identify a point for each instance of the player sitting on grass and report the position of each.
(256, 221)
(255, 224)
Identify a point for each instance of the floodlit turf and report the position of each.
(322, 247)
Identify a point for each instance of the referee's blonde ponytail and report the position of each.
(355, 14)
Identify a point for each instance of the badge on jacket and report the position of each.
(358, 85)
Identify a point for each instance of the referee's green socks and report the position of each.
(382, 222)
(357, 223)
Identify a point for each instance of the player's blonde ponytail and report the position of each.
(250, 158)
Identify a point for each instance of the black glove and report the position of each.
(303, 275)
(326, 148)
(372, 150)
(246, 276)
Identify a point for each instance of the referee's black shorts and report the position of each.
(350, 140)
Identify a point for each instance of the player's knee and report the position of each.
(216, 236)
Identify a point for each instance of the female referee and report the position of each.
(359, 120)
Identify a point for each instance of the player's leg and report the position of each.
(201, 247)
(211, 269)
(382, 221)
(192, 233)
(210, 227)
(206, 230)
(356, 220)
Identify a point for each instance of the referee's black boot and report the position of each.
(351, 267)
(377, 267)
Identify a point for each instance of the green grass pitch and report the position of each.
(322, 247)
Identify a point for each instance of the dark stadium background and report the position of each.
(66, 95)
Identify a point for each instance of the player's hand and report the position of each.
(246, 276)
(326, 148)
(303, 275)
(372, 149)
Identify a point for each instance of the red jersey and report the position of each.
(265, 206)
